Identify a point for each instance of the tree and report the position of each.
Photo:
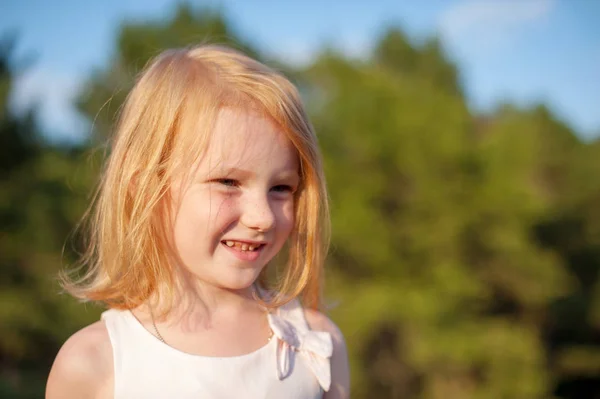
(43, 195)
(434, 213)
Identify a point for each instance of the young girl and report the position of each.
(214, 170)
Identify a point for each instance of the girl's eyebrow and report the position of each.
(247, 174)
(289, 174)
(239, 172)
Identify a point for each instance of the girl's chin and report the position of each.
(239, 278)
(239, 284)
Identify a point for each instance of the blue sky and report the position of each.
(522, 51)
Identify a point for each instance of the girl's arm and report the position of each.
(340, 373)
(83, 367)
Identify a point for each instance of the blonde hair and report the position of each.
(126, 256)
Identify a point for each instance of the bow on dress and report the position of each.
(315, 348)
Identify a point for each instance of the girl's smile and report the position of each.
(244, 250)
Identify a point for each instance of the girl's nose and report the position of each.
(258, 215)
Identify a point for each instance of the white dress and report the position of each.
(294, 364)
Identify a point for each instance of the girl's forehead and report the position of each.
(246, 137)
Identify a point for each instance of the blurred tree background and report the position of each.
(465, 251)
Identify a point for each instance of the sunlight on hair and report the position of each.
(163, 129)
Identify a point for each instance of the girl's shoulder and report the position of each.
(340, 374)
(83, 366)
(317, 321)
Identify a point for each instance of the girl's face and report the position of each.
(237, 210)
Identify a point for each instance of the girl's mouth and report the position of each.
(243, 250)
(242, 246)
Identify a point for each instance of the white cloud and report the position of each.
(356, 46)
(304, 52)
(53, 95)
(491, 22)
(295, 52)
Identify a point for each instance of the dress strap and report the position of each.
(294, 336)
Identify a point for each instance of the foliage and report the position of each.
(465, 249)
(44, 194)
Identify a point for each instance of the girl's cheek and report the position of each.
(222, 207)
(287, 216)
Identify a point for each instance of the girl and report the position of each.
(214, 170)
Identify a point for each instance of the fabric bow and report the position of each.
(315, 348)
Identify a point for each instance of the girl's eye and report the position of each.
(228, 182)
(282, 188)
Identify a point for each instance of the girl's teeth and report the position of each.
(241, 246)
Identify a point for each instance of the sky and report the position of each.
(519, 51)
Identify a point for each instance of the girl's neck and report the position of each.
(201, 301)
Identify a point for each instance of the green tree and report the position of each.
(427, 62)
(43, 195)
(434, 214)
(573, 323)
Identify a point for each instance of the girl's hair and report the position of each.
(164, 128)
